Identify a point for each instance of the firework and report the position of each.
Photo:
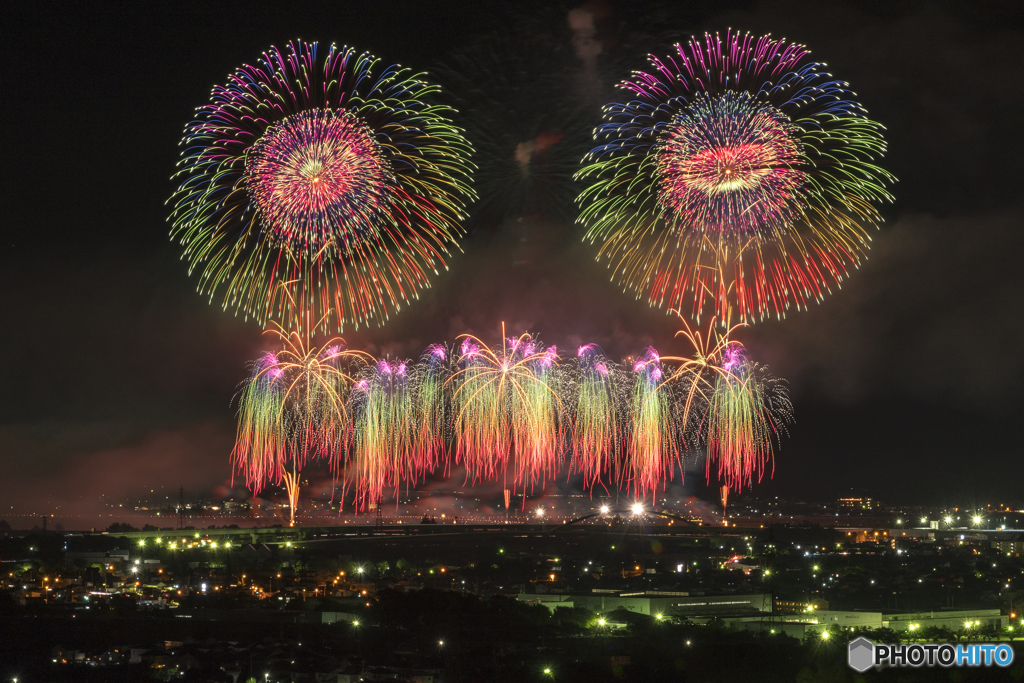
(292, 408)
(656, 442)
(506, 408)
(429, 376)
(398, 425)
(598, 417)
(383, 453)
(316, 186)
(731, 404)
(739, 174)
(748, 407)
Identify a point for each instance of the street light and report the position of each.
(638, 508)
(605, 509)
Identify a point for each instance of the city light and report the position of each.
(605, 509)
(825, 635)
(977, 520)
(638, 508)
(540, 512)
(659, 617)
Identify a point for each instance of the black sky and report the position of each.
(118, 376)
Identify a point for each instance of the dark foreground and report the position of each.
(427, 636)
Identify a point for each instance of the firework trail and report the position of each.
(317, 186)
(506, 410)
(292, 408)
(738, 174)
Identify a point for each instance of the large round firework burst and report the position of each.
(739, 174)
(318, 187)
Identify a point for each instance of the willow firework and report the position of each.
(599, 408)
(656, 442)
(292, 408)
(398, 433)
(732, 405)
(511, 414)
(507, 410)
(317, 186)
(738, 175)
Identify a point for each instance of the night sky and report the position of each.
(118, 377)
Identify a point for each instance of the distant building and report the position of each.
(951, 619)
(797, 606)
(815, 621)
(672, 603)
(856, 504)
(1010, 547)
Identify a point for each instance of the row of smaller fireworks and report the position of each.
(515, 412)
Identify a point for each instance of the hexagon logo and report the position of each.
(861, 655)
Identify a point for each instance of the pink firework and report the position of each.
(318, 177)
(729, 166)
